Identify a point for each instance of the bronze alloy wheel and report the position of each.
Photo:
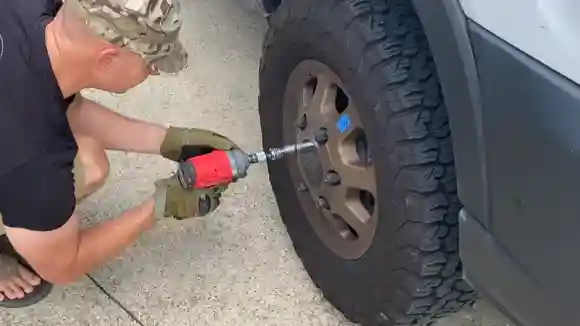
(336, 181)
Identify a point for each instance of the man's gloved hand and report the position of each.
(172, 200)
(183, 143)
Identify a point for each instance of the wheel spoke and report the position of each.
(352, 174)
(353, 117)
(345, 195)
(357, 177)
(353, 112)
(354, 215)
(306, 96)
(322, 103)
(320, 111)
(343, 125)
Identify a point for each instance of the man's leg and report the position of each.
(90, 169)
(2, 231)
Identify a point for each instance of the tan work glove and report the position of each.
(182, 143)
(172, 200)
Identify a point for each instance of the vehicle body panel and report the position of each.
(546, 30)
(446, 30)
(531, 115)
(520, 251)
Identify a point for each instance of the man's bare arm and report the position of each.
(79, 251)
(113, 130)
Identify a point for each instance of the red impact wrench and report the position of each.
(224, 167)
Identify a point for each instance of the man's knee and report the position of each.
(98, 170)
(93, 164)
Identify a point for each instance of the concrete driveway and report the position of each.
(236, 268)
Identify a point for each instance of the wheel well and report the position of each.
(446, 29)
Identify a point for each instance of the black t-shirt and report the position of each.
(37, 147)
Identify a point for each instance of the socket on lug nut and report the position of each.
(332, 178)
(321, 136)
(322, 203)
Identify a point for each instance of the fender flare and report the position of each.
(446, 28)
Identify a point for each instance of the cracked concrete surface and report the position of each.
(236, 268)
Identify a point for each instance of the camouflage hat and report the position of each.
(149, 28)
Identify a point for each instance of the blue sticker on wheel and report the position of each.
(343, 123)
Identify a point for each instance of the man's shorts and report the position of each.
(80, 190)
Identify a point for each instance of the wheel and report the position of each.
(372, 209)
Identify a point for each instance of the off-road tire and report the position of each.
(411, 274)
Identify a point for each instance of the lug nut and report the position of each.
(321, 136)
(332, 178)
(322, 203)
(301, 122)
